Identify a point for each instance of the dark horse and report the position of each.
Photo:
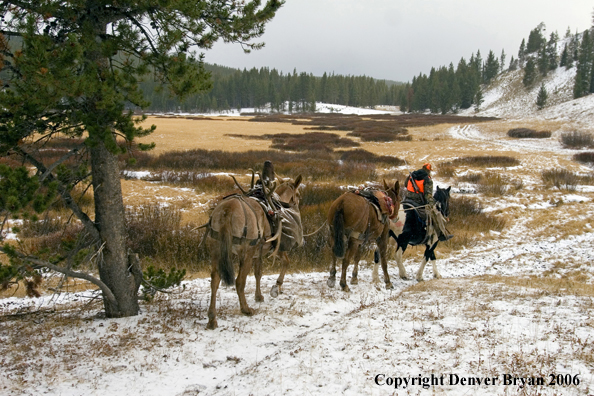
(354, 222)
(415, 233)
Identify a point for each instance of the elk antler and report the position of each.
(237, 183)
(275, 237)
(253, 176)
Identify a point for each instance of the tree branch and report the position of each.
(107, 293)
(53, 166)
(82, 216)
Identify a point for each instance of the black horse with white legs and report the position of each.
(415, 232)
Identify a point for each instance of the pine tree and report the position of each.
(513, 64)
(583, 76)
(478, 100)
(564, 57)
(502, 61)
(529, 73)
(522, 53)
(536, 39)
(541, 98)
(491, 68)
(552, 51)
(543, 61)
(78, 71)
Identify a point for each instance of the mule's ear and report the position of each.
(438, 189)
(397, 187)
(449, 188)
(298, 181)
(386, 185)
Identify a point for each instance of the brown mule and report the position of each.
(354, 222)
(239, 227)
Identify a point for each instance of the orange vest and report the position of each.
(420, 185)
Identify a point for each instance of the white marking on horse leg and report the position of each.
(421, 269)
(436, 273)
(401, 270)
(375, 276)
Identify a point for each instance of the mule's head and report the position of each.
(442, 197)
(289, 192)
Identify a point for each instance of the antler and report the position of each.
(253, 176)
(275, 237)
(268, 191)
(237, 184)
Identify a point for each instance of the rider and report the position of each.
(419, 188)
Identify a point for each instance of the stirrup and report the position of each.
(444, 238)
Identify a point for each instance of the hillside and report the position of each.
(507, 98)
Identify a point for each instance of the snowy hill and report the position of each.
(506, 97)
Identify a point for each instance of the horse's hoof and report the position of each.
(389, 286)
(331, 282)
(274, 291)
(403, 277)
(212, 324)
(346, 289)
(354, 281)
(375, 280)
(260, 298)
(420, 280)
(248, 311)
(437, 276)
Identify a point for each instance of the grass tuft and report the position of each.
(561, 179)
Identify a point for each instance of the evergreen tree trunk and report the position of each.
(109, 217)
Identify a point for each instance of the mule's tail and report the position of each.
(226, 270)
(338, 230)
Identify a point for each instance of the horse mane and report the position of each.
(441, 195)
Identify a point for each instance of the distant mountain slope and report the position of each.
(506, 97)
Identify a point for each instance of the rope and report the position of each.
(417, 207)
(316, 231)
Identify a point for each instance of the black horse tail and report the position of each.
(338, 229)
(226, 270)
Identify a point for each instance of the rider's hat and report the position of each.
(427, 166)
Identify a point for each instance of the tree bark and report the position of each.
(114, 270)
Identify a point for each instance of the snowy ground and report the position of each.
(518, 306)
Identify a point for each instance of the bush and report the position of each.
(521, 133)
(446, 171)
(493, 184)
(312, 141)
(198, 180)
(466, 214)
(361, 155)
(471, 178)
(156, 233)
(319, 194)
(577, 139)
(315, 254)
(561, 179)
(586, 157)
(484, 161)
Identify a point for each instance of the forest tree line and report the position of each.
(260, 88)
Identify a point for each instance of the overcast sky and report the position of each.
(398, 39)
